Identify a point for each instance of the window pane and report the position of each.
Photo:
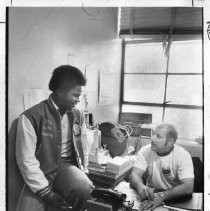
(145, 58)
(184, 89)
(187, 121)
(144, 88)
(155, 111)
(186, 57)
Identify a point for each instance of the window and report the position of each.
(170, 93)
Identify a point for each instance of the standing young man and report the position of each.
(51, 147)
(167, 166)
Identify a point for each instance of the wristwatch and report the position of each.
(162, 195)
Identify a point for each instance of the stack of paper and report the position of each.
(100, 157)
(95, 165)
(118, 165)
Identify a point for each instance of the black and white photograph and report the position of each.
(106, 107)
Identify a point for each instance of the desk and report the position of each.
(195, 201)
(95, 206)
(160, 208)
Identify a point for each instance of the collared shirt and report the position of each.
(67, 144)
(25, 151)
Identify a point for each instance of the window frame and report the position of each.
(165, 104)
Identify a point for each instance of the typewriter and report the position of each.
(108, 200)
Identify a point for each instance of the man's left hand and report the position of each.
(148, 204)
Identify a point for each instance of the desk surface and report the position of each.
(132, 195)
(160, 208)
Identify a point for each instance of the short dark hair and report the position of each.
(66, 73)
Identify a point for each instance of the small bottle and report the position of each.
(99, 138)
(86, 107)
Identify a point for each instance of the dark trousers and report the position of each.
(70, 181)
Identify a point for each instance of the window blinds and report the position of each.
(149, 21)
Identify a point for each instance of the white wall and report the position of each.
(41, 38)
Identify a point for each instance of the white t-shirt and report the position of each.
(165, 172)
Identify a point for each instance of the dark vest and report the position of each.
(46, 122)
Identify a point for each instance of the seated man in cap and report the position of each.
(168, 169)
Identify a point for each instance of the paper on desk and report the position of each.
(132, 195)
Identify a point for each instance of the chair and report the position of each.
(199, 175)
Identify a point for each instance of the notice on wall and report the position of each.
(91, 89)
(106, 95)
(32, 97)
(62, 55)
(73, 59)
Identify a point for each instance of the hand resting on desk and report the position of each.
(152, 204)
(147, 193)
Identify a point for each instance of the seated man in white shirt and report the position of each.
(168, 169)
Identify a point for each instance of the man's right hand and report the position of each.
(147, 193)
(54, 200)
